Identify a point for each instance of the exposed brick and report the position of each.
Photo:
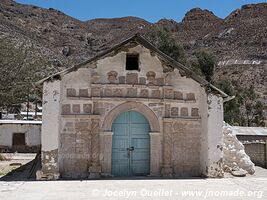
(178, 95)
(66, 109)
(174, 111)
(132, 78)
(71, 92)
(168, 93)
(118, 92)
(194, 112)
(87, 108)
(144, 93)
(156, 94)
(83, 93)
(95, 91)
(108, 92)
(190, 96)
(131, 92)
(122, 79)
(184, 112)
(142, 80)
(76, 108)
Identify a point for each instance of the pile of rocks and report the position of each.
(236, 161)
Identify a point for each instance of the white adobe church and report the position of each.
(131, 111)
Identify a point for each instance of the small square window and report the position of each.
(132, 62)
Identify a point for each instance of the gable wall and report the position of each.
(89, 94)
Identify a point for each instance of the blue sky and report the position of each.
(150, 10)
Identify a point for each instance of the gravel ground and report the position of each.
(17, 186)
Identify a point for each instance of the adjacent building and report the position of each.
(20, 136)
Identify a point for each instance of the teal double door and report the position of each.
(130, 145)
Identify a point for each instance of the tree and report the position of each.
(251, 109)
(232, 114)
(205, 63)
(18, 71)
(245, 109)
(164, 41)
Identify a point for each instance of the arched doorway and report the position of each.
(130, 145)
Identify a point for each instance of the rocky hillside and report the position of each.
(239, 41)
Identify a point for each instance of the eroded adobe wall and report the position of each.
(211, 153)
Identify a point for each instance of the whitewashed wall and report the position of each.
(32, 133)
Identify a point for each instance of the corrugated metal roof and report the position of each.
(20, 122)
(240, 130)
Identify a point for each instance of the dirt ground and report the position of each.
(17, 184)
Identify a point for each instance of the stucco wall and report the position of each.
(50, 126)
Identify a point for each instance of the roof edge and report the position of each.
(141, 40)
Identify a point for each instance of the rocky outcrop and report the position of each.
(65, 41)
(236, 161)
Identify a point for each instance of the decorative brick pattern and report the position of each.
(184, 112)
(174, 111)
(168, 93)
(95, 91)
(108, 92)
(112, 76)
(118, 92)
(178, 95)
(156, 94)
(71, 92)
(132, 78)
(190, 96)
(131, 92)
(151, 77)
(194, 112)
(87, 108)
(66, 109)
(83, 93)
(143, 93)
(76, 108)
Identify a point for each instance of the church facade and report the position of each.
(131, 111)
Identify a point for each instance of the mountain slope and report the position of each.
(65, 41)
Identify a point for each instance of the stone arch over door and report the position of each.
(134, 106)
(155, 136)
